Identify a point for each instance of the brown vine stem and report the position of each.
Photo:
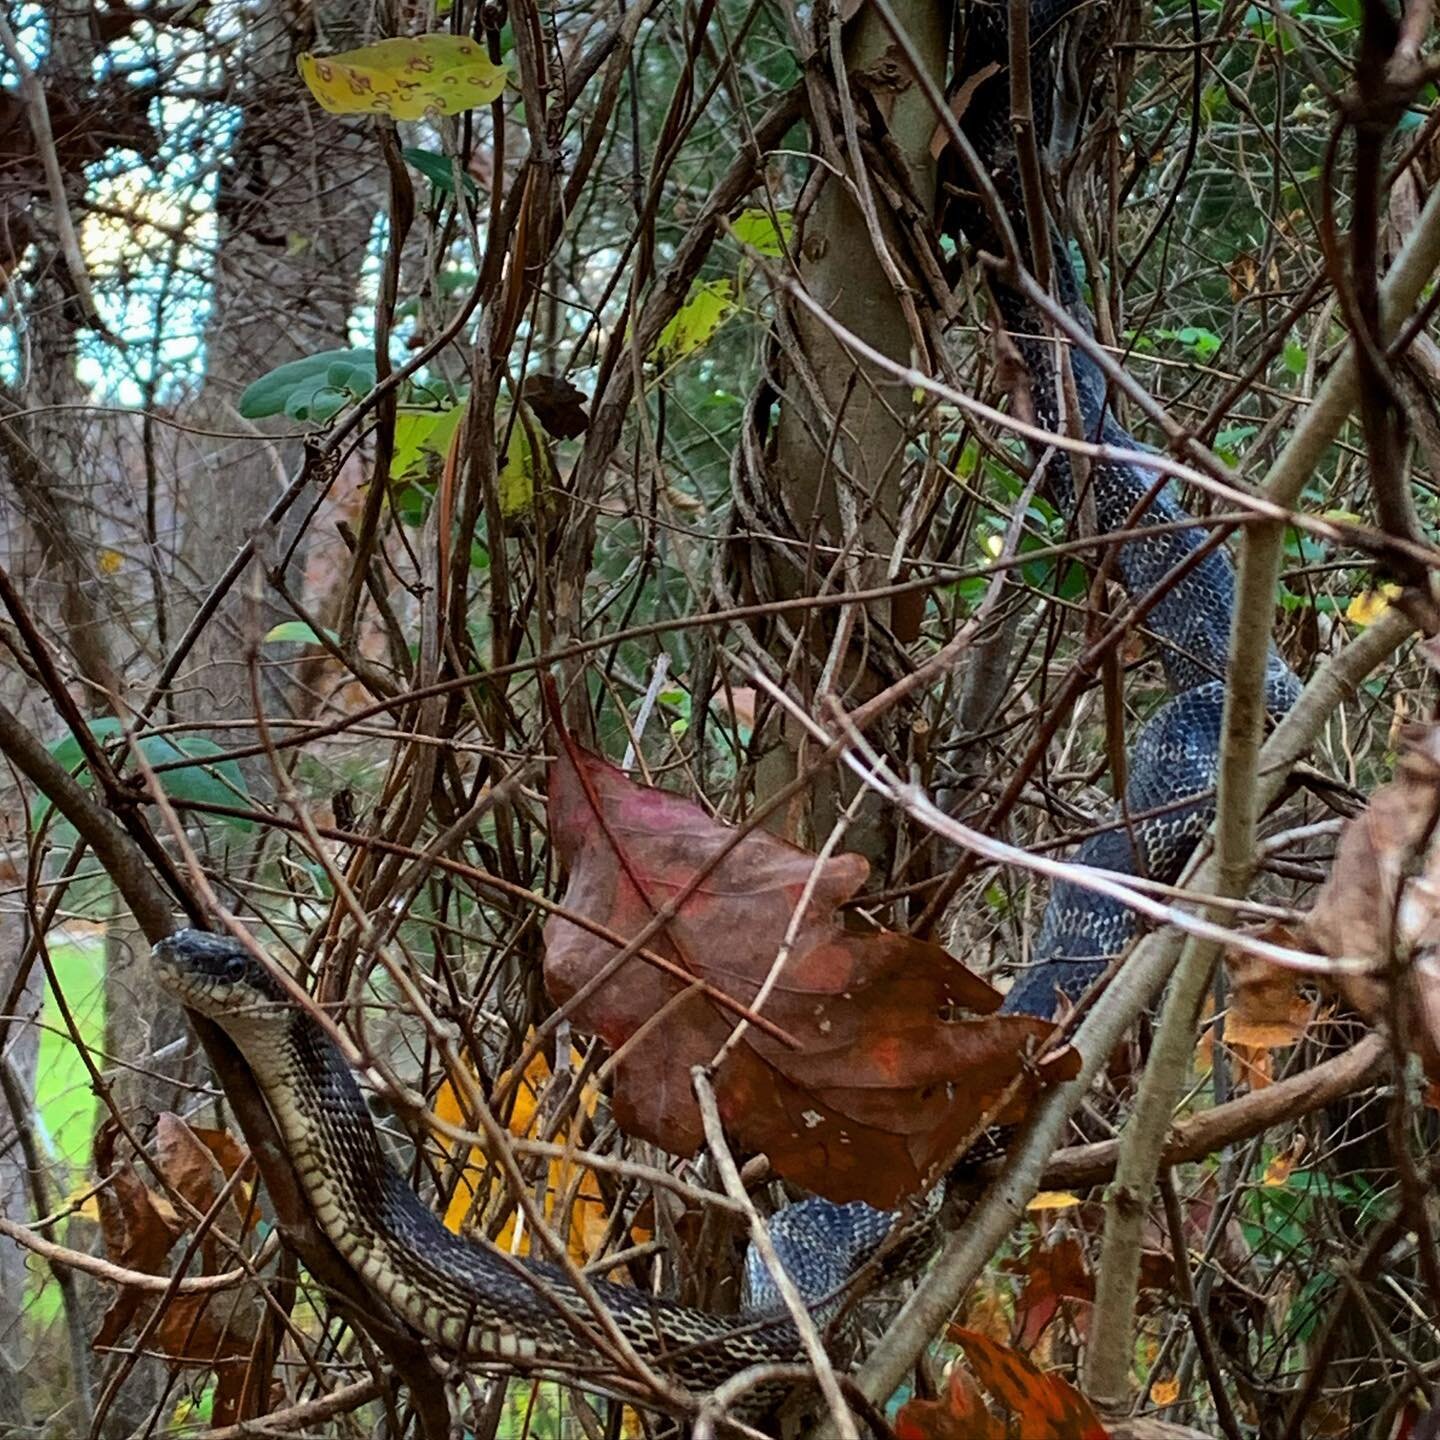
(1237, 806)
(1080, 1165)
(966, 1253)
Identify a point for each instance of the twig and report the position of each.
(795, 1305)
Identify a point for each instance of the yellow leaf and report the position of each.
(526, 470)
(110, 562)
(1165, 1392)
(756, 229)
(405, 78)
(1366, 609)
(1280, 1169)
(710, 305)
(1053, 1200)
(588, 1215)
(422, 440)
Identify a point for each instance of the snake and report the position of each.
(476, 1302)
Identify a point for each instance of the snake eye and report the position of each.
(235, 969)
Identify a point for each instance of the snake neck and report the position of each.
(464, 1295)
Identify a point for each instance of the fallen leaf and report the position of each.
(139, 1227)
(881, 1085)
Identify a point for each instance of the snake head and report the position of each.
(215, 975)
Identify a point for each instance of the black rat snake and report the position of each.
(472, 1300)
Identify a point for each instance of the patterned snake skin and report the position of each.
(470, 1299)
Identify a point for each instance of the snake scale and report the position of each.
(472, 1300)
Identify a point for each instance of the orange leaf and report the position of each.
(1253, 1065)
(588, 1216)
(882, 1083)
(1046, 1406)
(959, 1414)
(1267, 1010)
(1164, 1392)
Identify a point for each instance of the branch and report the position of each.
(1080, 1166)
(39, 110)
(1237, 807)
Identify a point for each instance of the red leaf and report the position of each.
(959, 1414)
(882, 1083)
(1052, 1274)
(1047, 1406)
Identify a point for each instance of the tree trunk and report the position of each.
(839, 464)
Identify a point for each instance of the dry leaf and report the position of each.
(1382, 900)
(1164, 1392)
(1267, 1010)
(881, 1085)
(588, 1217)
(1045, 1405)
(1052, 1273)
(959, 1414)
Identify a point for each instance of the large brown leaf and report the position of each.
(888, 1071)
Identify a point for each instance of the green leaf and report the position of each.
(1203, 342)
(206, 776)
(710, 305)
(312, 383)
(1229, 440)
(422, 440)
(299, 633)
(1296, 357)
(759, 231)
(437, 169)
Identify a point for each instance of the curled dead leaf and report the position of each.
(1381, 902)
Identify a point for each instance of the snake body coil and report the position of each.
(473, 1300)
